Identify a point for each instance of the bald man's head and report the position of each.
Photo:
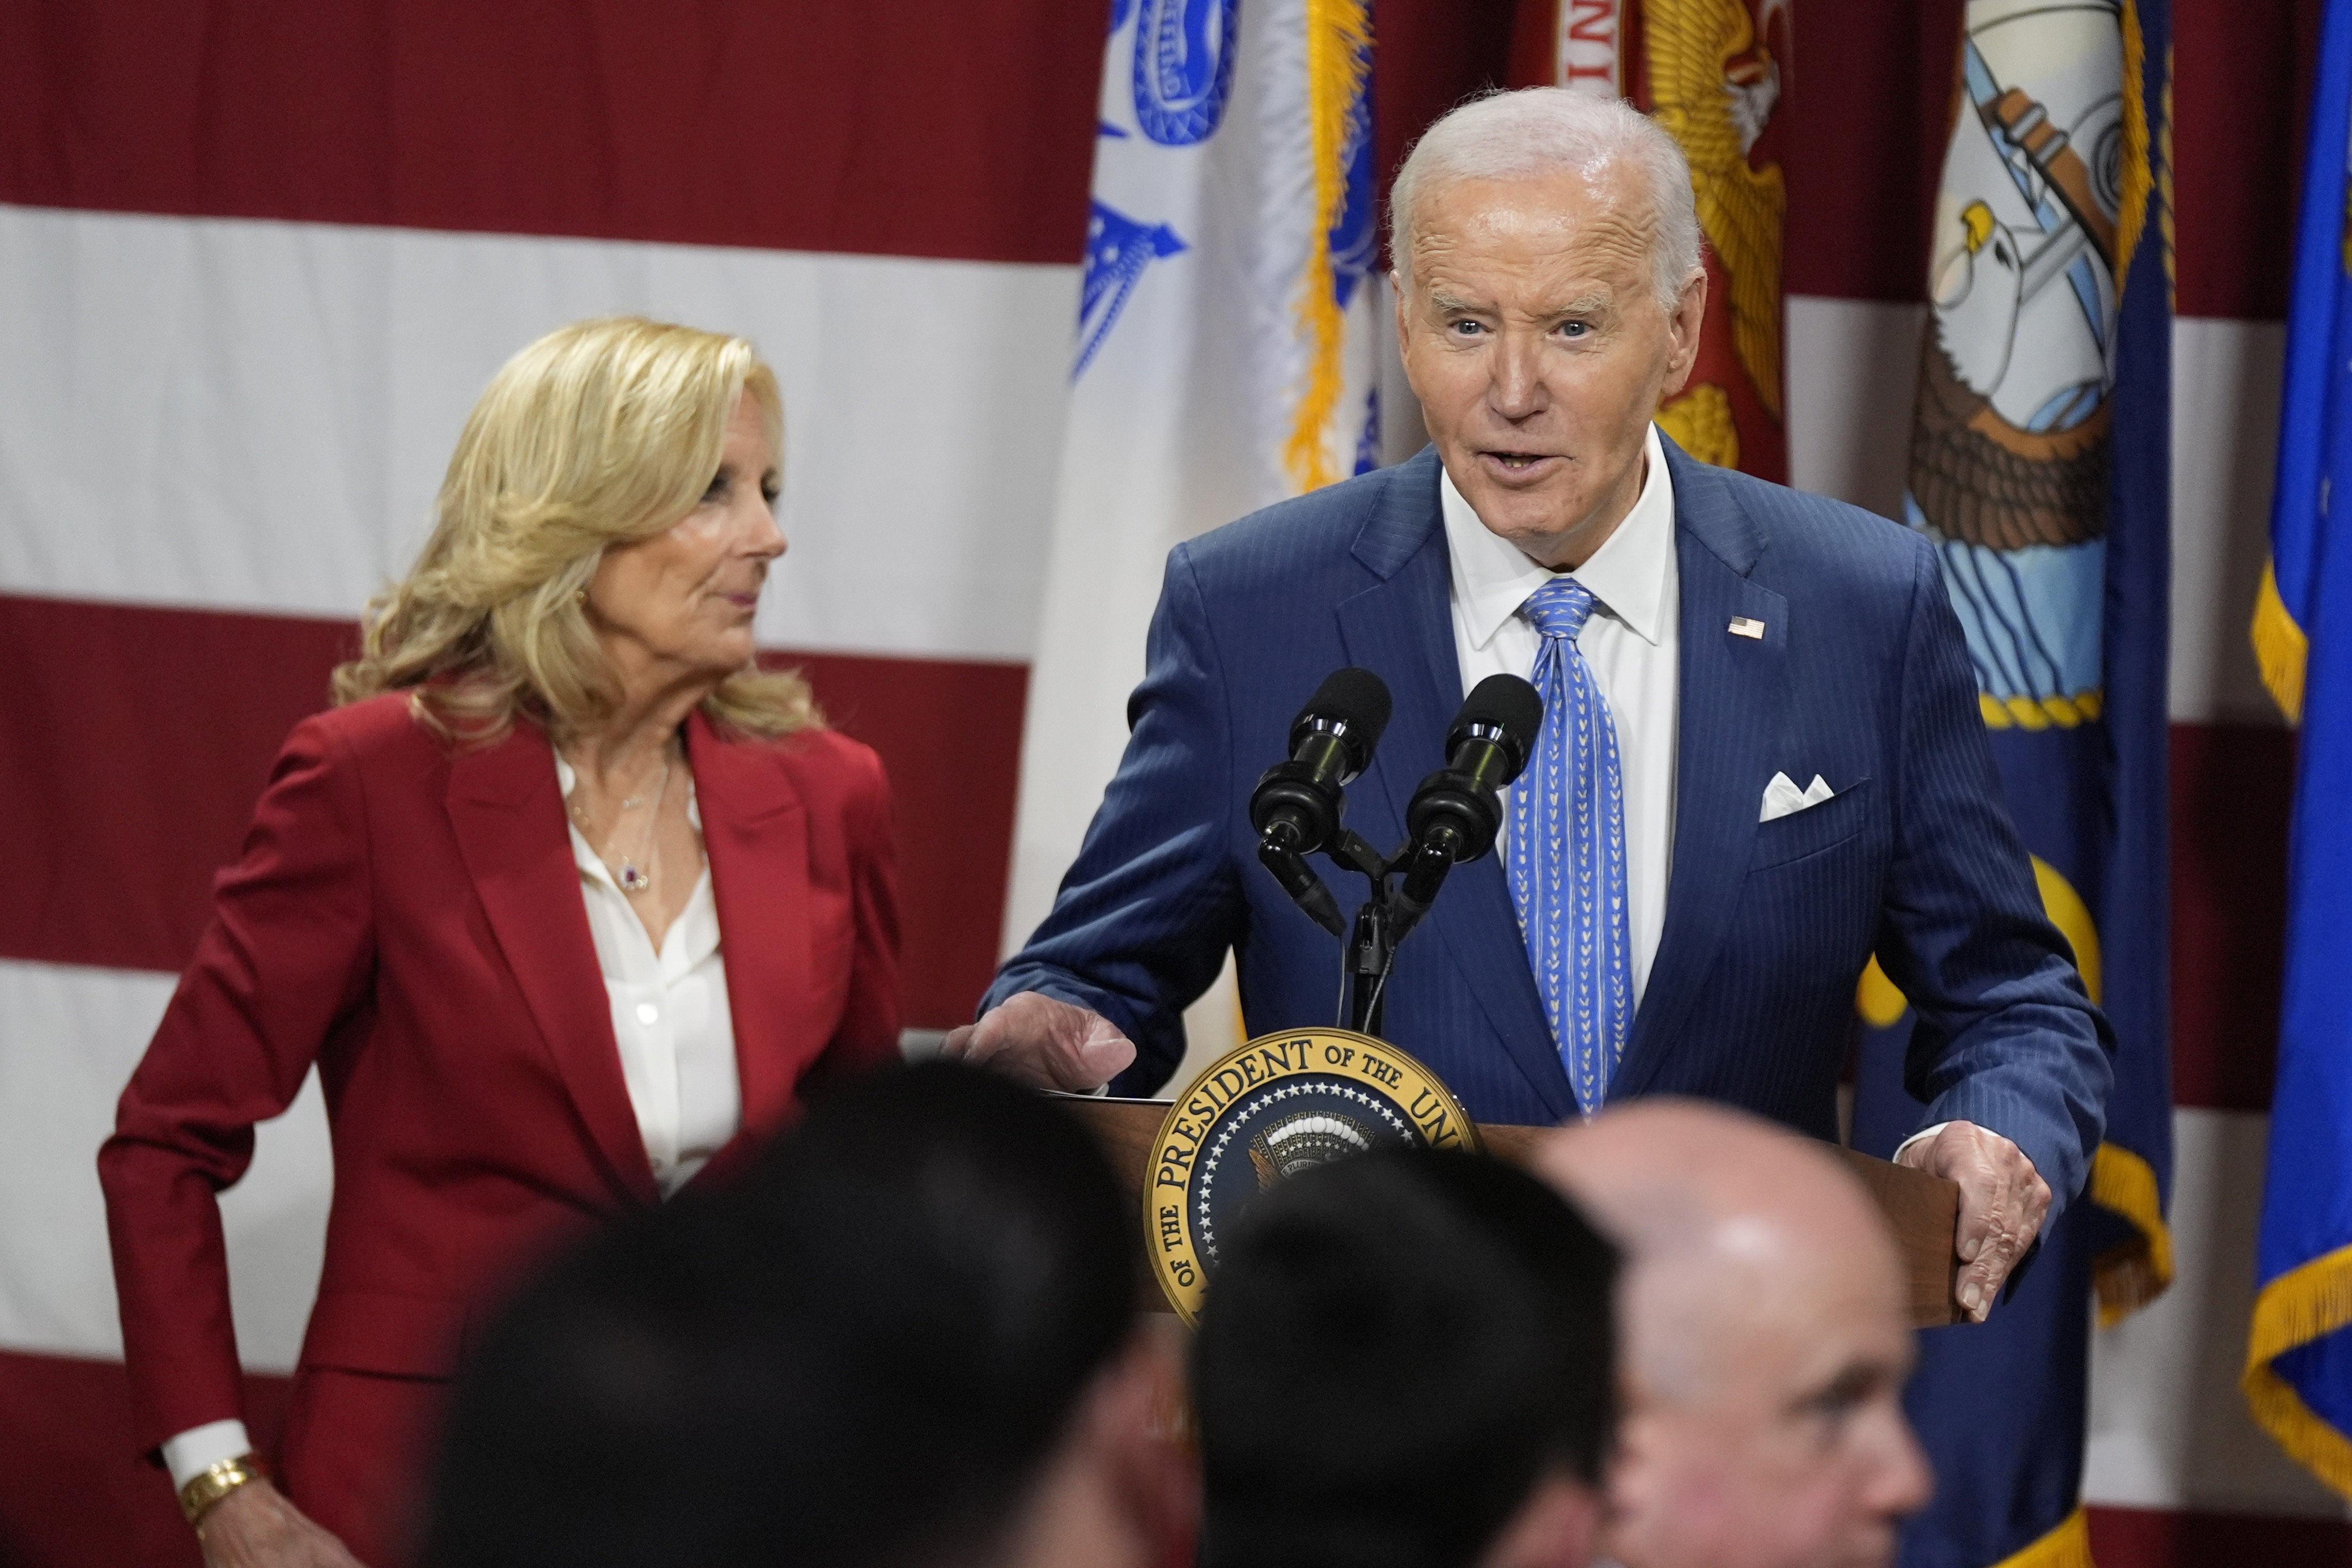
(1763, 1339)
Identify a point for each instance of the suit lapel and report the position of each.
(755, 831)
(508, 816)
(1403, 628)
(1734, 695)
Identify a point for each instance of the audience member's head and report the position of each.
(1405, 1362)
(1765, 1343)
(910, 1337)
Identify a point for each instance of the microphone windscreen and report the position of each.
(1502, 702)
(1360, 698)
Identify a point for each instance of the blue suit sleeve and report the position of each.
(2004, 1035)
(1143, 919)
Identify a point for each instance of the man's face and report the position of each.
(1777, 1437)
(1532, 333)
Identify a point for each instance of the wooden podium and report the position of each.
(1923, 1211)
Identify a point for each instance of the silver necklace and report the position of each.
(632, 876)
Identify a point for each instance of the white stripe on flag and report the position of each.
(2168, 1427)
(72, 1036)
(252, 415)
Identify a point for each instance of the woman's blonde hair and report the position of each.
(601, 433)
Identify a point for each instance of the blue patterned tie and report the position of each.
(1568, 851)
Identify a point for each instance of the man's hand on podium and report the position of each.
(2002, 1202)
(1044, 1043)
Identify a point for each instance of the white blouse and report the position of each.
(677, 1035)
(670, 1013)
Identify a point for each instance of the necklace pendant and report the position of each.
(633, 880)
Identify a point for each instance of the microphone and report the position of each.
(1456, 812)
(1296, 806)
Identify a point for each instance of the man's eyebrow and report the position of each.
(1853, 1383)
(1591, 304)
(1450, 302)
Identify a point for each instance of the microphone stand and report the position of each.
(1452, 818)
(1371, 946)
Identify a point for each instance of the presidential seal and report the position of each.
(1266, 1111)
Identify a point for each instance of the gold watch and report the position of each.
(206, 1488)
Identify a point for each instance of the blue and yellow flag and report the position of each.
(2298, 1376)
(2040, 471)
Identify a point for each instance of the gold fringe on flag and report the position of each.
(2138, 177)
(2298, 1307)
(2068, 1546)
(2130, 1276)
(2280, 647)
(1339, 62)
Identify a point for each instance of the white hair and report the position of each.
(1540, 131)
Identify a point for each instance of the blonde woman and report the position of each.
(565, 898)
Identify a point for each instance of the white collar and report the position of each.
(1628, 574)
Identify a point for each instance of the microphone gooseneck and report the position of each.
(1453, 816)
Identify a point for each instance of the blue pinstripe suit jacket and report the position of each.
(1861, 676)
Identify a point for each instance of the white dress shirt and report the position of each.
(670, 1013)
(677, 1034)
(1632, 644)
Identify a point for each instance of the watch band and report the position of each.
(206, 1488)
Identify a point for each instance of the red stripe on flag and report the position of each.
(2231, 787)
(1870, 95)
(2241, 83)
(919, 128)
(134, 741)
(73, 1493)
(2169, 1538)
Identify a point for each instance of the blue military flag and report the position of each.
(2039, 469)
(2298, 1378)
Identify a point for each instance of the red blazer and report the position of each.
(409, 916)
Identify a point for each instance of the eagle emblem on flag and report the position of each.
(2044, 189)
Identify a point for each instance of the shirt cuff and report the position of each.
(1923, 1133)
(199, 1448)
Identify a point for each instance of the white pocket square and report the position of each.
(1784, 798)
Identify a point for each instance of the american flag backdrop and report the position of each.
(257, 259)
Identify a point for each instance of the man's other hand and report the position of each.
(256, 1526)
(1045, 1043)
(2002, 1202)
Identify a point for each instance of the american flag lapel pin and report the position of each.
(1741, 626)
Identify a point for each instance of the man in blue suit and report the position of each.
(1672, 908)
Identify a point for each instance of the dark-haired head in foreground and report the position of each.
(908, 1337)
(1405, 1362)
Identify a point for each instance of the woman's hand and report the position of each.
(256, 1526)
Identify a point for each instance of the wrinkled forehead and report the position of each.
(1596, 213)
